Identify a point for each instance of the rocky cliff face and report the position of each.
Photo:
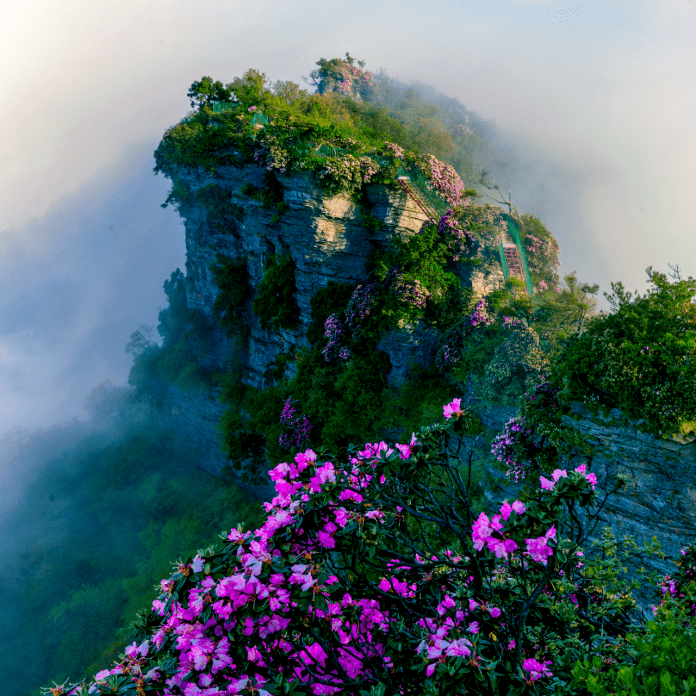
(327, 238)
(659, 497)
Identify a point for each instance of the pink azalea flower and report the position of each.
(452, 409)
(495, 612)
(326, 540)
(546, 484)
(458, 648)
(536, 669)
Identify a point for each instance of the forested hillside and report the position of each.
(387, 562)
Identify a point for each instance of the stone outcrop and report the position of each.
(325, 235)
(659, 497)
(329, 239)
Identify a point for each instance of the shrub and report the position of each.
(639, 358)
(275, 304)
(376, 575)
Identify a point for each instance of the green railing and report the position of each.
(504, 263)
(420, 182)
(260, 120)
(514, 232)
(223, 107)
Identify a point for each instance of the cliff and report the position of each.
(328, 240)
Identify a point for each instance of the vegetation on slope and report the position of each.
(502, 347)
(377, 575)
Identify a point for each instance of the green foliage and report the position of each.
(357, 121)
(640, 358)
(204, 92)
(186, 334)
(133, 508)
(232, 277)
(662, 660)
(250, 427)
(276, 305)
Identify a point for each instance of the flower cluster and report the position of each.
(453, 409)
(334, 331)
(296, 427)
(533, 243)
(343, 328)
(444, 178)
(511, 447)
(481, 317)
(411, 292)
(354, 81)
(348, 172)
(360, 306)
(511, 322)
(543, 285)
(458, 240)
(394, 150)
(463, 130)
(549, 484)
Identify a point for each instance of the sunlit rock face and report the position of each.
(325, 235)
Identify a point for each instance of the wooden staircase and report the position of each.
(419, 199)
(510, 250)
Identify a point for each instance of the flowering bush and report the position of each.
(411, 292)
(480, 316)
(377, 574)
(458, 240)
(347, 173)
(529, 442)
(344, 76)
(513, 448)
(444, 178)
(296, 427)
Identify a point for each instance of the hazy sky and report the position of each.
(600, 96)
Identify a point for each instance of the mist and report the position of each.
(591, 107)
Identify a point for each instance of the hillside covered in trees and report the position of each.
(386, 561)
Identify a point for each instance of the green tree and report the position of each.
(640, 357)
(204, 92)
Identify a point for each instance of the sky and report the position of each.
(597, 101)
